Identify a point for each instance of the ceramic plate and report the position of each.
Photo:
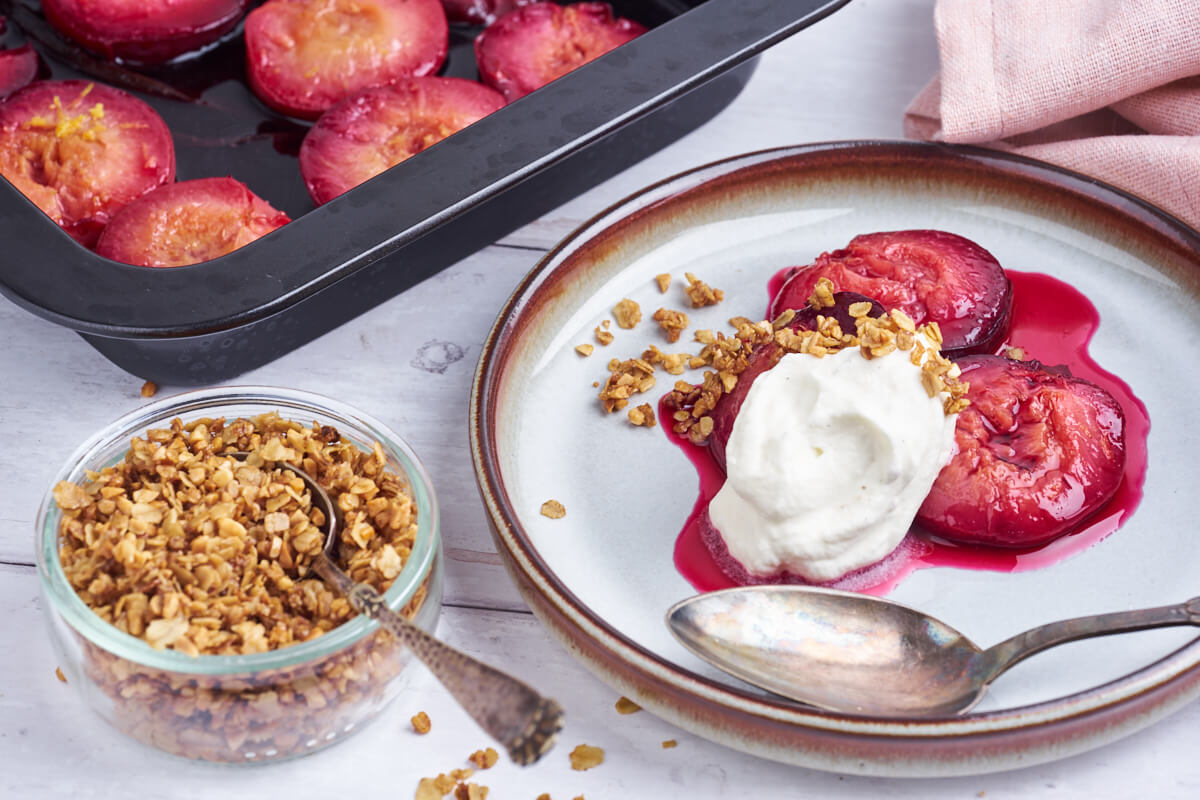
(602, 576)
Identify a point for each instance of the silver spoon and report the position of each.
(523, 721)
(858, 654)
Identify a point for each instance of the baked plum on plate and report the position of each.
(531, 46)
(18, 68)
(933, 276)
(305, 55)
(148, 31)
(81, 151)
(1038, 450)
(371, 131)
(188, 222)
(764, 357)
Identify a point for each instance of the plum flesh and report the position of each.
(1037, 451)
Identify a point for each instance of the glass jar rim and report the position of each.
(66, 602)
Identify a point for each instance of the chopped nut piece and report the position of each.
(553, 509)
(1015, 353)
(149, 389)
(58, 673)
(664, 281)
(420, 723)
(584, 349)
(484, 759)
(668, 744)
(603, 337)
(627, 313)
(700, 293)
(672, 322)
(643, 415)
(627, 706)
(585, 757)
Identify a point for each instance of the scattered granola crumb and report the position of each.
(585, 757)
(544, 796)
(627, 313)
(664, 281)
(700, 293)
(427, 789)
(1015, 353)
(461, 774)
(470, 791)
(420, 723)
(444, 783)
(629, 376)
(643, 416)
(668, 744)
(584, 350)
(484, 759)
(602, 336)
(149, 389)
(553, 509)
(627, 706)
(672, 322)
(58, 673)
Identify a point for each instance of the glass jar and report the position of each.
(259, 706)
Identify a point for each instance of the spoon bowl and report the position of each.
(859, 654)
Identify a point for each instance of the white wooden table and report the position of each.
(848, 77)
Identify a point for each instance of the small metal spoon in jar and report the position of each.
(859, 654)
(523, 721)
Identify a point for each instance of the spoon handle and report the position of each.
(523, 721)
(999, 658)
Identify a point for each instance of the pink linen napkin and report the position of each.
(1109, 88)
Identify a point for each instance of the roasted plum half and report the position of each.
(1037, 451)
(369, 132)
(766, 356)
(535, 44)
(188, 222)
(18, 68)
(148, 31)
(305, 55)
(81, 151)
(933, 276)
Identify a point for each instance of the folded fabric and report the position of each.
(1110, 88)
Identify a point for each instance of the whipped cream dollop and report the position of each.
(828, 461)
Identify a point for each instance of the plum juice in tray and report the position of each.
(210, 321)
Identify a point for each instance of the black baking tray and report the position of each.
(211, 321)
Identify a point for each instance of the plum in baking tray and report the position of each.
(210, 321)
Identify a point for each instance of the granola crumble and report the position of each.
(672, 322)
(700, 293)
(585, 757)
(484, 759)
(421, 723)
(553, 509)
(58, 673)
(669, 743)
(626, 706)
(626, 378)
(663, 279)
(643, 416)
(149, 389)
(584, 350)
(627, 313)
